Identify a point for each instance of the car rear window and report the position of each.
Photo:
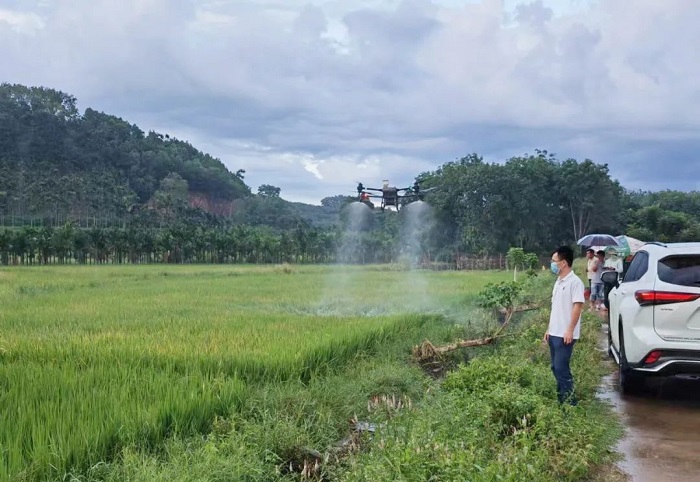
(680, 270)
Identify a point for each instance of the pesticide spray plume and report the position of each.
(350, 279)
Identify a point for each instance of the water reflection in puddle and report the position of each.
(662, 424)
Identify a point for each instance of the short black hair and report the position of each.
(566, 253)
(590, 250)
(600, 252)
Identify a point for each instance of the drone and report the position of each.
(390, 194)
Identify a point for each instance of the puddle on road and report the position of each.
(662, 427)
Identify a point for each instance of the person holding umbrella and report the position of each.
(598, 294)
(592, 268)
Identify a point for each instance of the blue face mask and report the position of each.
(554, 267)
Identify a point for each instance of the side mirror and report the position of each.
(609, 278)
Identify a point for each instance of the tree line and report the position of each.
(190, 243)
(93, 188)
(536, 202)
(177, 244)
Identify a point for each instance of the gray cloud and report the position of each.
(311, 96)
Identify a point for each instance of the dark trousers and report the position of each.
(561, 356)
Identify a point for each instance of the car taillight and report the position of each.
(652, 357)
(648, 297)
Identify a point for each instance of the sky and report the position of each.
(313, 96)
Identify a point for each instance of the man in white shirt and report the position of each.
(564, 321)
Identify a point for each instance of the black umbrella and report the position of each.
(598, 240)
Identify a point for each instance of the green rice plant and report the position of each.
(64, 416)
(279, 422)
(95, 361)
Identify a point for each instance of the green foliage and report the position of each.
(336, 203)
(267, 190)
(532, 201)
(517, 258)
(667, 216)
(500, 295)
(184, 241)
(590, 196)
(530, 262)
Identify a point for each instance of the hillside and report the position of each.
(58, 165)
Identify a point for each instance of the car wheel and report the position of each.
(630, 381)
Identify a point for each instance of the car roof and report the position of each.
(673, 248)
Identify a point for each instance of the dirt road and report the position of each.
(662, 424)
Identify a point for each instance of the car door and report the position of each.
(623, 304)
(677, 306)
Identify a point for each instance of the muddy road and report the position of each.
(662, 424)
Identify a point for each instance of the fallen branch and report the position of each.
(521, 308)
(427, 351)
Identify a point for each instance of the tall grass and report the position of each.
(93, 359)
(61, 416)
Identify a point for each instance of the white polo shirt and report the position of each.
(565, 293)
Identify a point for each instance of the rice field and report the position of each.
(93, 359)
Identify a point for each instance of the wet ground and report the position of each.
(662, 441)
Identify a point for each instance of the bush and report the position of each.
(501, 295)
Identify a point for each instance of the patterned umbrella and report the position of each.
(627, 245)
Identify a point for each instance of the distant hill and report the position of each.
(321, 216)
(57, 164)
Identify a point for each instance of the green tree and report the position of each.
(337, 202)
(590, 198)
(267, 190)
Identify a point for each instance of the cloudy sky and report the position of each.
(313, 95)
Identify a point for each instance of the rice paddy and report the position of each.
(93, 359)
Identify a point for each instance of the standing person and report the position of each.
(592, 268)
(564, 322)
(597, 292)
(613, 261)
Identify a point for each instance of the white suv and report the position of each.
(654, 313)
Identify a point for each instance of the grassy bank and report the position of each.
(497, 418)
